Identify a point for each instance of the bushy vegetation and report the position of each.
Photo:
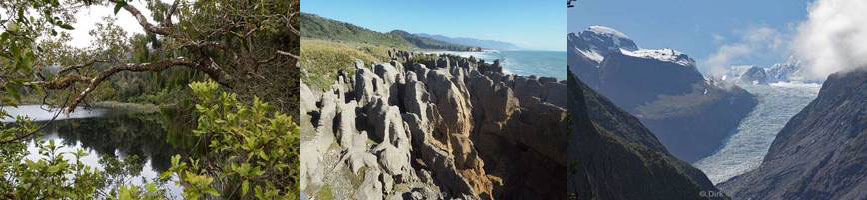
(253, 151)
(316, 27)
(247, 49)
(322, 60)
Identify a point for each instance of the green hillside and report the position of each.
(429, 43)
(316, 27)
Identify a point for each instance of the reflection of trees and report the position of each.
(121, 135)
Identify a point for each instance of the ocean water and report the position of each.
(524, 62)
(745, 150)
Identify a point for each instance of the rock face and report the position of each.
(690, 114)
(820, 153)
(755, 75)
(435, 127)
(612, 156)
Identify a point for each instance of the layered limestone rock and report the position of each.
(434, 127)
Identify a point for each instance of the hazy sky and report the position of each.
(529, 24)
(713, 32)
(88, 17)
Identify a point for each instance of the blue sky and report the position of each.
(529, 24)
(701, 28)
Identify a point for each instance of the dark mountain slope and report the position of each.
(612, 156)
(821, 153)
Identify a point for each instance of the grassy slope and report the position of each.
(316, 27)
(322, 60)
(329, 46)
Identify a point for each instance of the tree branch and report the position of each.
(75, 67)
(215, 73)
(57, 84)
(143, 21)
(168, 18)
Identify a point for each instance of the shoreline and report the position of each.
(509, 64)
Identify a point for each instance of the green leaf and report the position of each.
(152, 188)
(11, 26)
(263, 155)
(54, 168)
(67, 26)
(245, 187)
(118, 5)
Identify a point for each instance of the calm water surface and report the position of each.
(102, 132)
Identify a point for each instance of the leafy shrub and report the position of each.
(253, 151)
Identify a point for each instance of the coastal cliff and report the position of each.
(434, 127)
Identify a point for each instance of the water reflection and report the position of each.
(117, 135)
(45, 113)
(101, 132)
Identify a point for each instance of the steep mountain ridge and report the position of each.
(588, 48)
(820, 153)
(612, 156)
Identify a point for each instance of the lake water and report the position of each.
(101, 132)
(525, 62)
(745, 149)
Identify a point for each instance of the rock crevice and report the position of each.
(435, 127)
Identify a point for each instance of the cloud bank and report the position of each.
(833, 39)
(754, 42)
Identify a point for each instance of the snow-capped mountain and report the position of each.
(691, 114)
(790, 70)
(598, 41)
(780, 72)
(587, 50)
(751, 74)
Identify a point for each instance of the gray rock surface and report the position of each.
(440, 128)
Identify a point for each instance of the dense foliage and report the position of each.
(248, 49)
(253, 151)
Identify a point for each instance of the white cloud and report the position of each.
(834, 37)
(718, 39)
(754, 42)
